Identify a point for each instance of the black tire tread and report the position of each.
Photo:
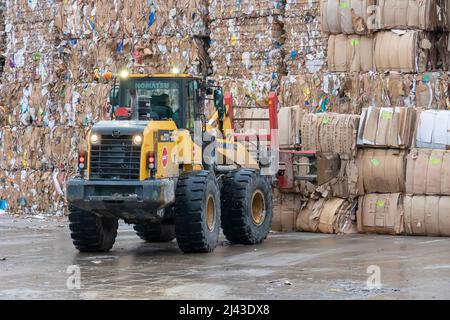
(236, 198)
(189, 229)
(88, 233)
(155, 232)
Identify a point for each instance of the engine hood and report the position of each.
(119, 128)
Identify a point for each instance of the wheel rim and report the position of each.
(211, 213)
(258, 208)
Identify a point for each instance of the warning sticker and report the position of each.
(165, 157)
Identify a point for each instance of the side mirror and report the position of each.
(218, 99)
(218, 103)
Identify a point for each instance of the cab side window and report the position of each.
(191, 103)
(114, 96)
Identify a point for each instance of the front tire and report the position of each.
(246, 207)
(91, 233)
(155, 232)
(197, 212)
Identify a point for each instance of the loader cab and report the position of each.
(159, 98)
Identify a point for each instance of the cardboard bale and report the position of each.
(348, 17)
(346, 184)
(427, 215)
(322, 92)
(428, 172)
(328, 216)
(331, 216)
(303, 90)
(252, 92)
(423, 15)
(30, 43)
(432, 91)
(425, 90)
(342, 93)
(308, 218)
(286, 208)
(27, 103)
(134, 19)
(305, 45)
(387, 90)
(20, 189)
(330, 133)
(409, 51)
(106, 36)
(21, 148)
(86, 60)
(433, 130)
(289, 123)
(346, 218)
(381, 171)
(232, 9)
(247, 47)
(81, 104)
(381, 214)
(38, 148)
(9, 190)
(34, 104)
(350, 53)
(387, 127)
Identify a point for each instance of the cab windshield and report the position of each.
(151, 98)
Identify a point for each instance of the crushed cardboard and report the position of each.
(387, 127)
(330, 133)
(381, 214)
(428, 172)
(427, 216)
(332, 216)
(381, 171)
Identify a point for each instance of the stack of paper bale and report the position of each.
(331, 206)
(427, 201)
(102, 36)
(332, 133)
(315, 56)
(52, 88)
(383, 58)
(246, 47)
(350, 93)
(31, 72)
(305, 45)
(372, 39)
(408, 37)
(385, 136)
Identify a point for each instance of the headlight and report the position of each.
(175, 70)
(94, 139)
(124, 74)
(137, 139)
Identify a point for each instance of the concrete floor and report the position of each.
(35, 255)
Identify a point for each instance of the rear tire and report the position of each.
(197, 212)
(91, 233)
(155, 232)
(246, 207)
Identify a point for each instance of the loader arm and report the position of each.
(233, 147)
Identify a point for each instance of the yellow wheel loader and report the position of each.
(160, 165)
